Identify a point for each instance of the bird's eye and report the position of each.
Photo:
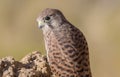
(47, 18)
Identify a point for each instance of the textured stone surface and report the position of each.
(32, 65)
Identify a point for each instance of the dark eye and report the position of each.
(47, 18)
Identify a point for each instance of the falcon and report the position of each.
(66, 46)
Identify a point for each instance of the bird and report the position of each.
(66, 46)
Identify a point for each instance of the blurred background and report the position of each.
(99, 20)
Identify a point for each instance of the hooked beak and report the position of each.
(40, 24)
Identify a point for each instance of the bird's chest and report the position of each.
(51, 46)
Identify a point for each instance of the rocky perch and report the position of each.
(32, 65)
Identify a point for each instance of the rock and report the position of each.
(32, 65)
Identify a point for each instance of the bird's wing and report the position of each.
(72, 44)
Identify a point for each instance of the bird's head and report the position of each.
(50, 19)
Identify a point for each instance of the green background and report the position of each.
(99, 20)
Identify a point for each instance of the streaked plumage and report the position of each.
(66, 46)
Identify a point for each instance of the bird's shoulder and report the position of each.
(73, 34)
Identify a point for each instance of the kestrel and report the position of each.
(66, 46)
